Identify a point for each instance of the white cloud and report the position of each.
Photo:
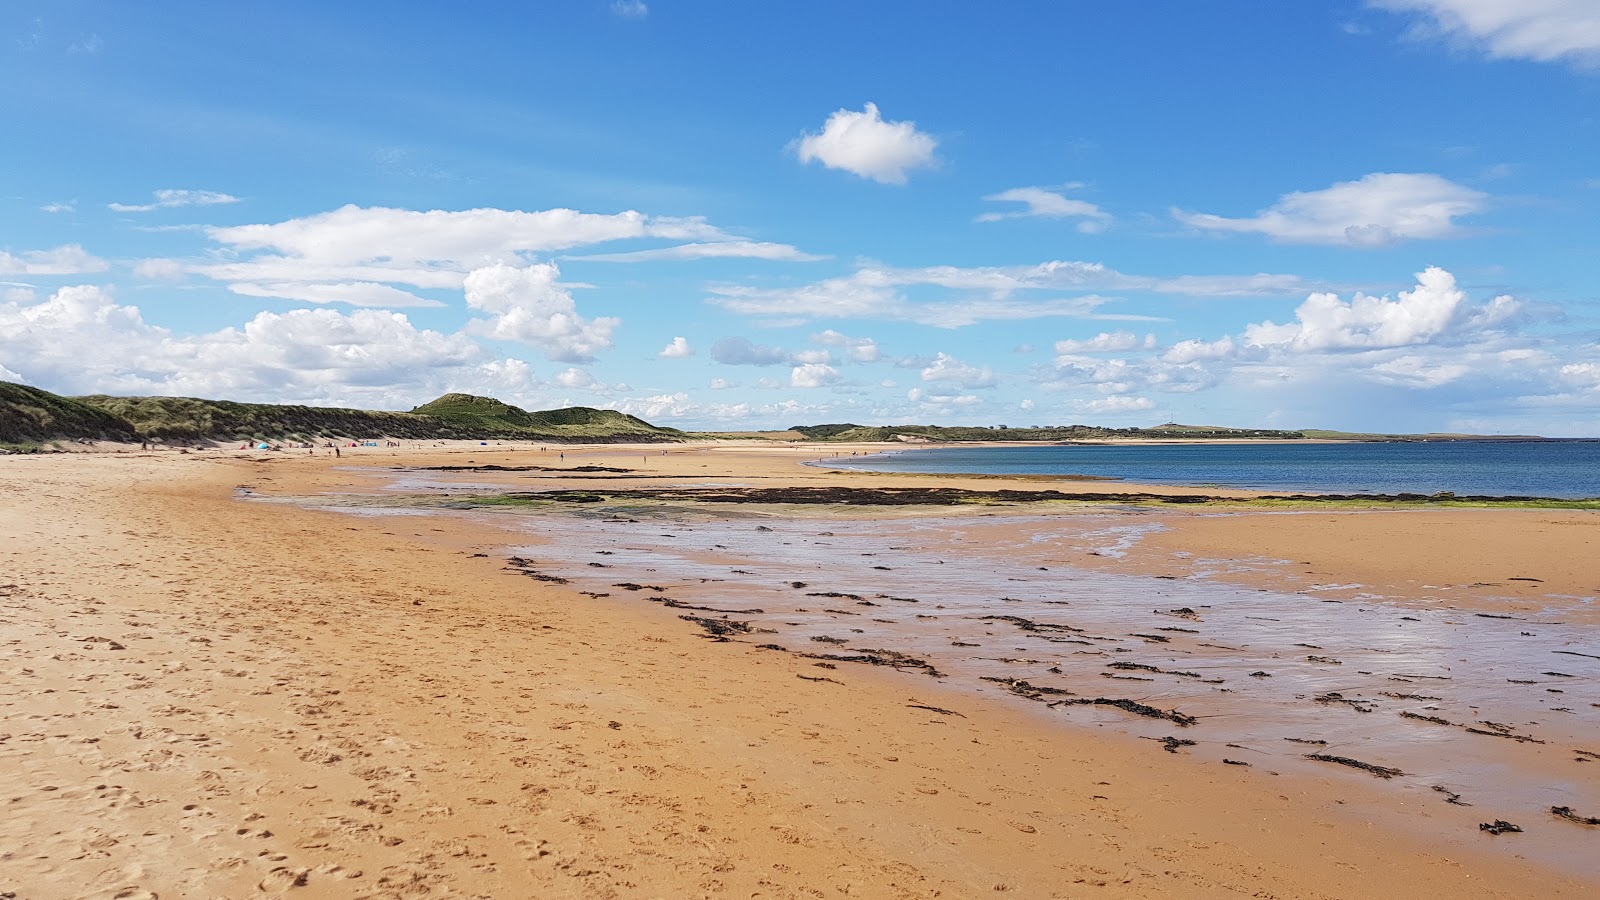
(629, 9)
(528, 305)
(159, 269)
(949, 369)
(168, 199)
(678, 349)
(864, 144)
(883, 292)
(858, 298)
(1114, 404)
(1583, 374)
(1042, 203)
(720, 384)
(1195, 350)
(1379, 209)
(1418, 371)
(59, 207)
(81, 340)
(864, 350)
(356, 293)
(432, 249)
(739, 351)
(657, 407)
(708, 250)
(67, 259)
(1325, 322)
(353, 234)
(1106, 342)
(576, 378)
(1543, 30)
(812, 375)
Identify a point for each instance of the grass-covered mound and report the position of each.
(29, 415)
(573, 422)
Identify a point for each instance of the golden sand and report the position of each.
(205, 697)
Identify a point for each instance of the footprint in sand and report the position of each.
(283, 878)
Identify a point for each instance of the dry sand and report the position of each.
(205, 697)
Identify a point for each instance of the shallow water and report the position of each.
(941, 578)
(1255, 668)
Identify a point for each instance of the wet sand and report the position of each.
(206, 696)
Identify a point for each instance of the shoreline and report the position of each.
(160, 541)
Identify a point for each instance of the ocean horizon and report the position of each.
(1565, 470)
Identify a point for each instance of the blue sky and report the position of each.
(1365, 214)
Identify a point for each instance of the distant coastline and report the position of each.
(35, 420)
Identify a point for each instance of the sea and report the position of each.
(1549, 469)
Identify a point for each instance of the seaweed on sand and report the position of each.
(720, 629)
(1380, 771)
(891, 658)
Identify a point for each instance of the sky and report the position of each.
(1371, 215)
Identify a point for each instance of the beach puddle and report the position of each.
(1448, 708)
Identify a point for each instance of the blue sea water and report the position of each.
(1562, 469)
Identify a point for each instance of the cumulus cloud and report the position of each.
(812, 375)
(168, 199)
(864, 144)
(1376, 210)
(1049, 204)
(739, 351)
(67, 259)
(576, 378)
(63, 207)
(81, 340)
(1543, 30)
(1195, 350)
(864, 350)
(1325, 322)
(1586, 375)
(949, 369)
(1421, 339)
(678, 349)
(530, 306)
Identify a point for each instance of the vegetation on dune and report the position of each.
(29, 415)
(469, 410)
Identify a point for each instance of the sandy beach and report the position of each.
(214, 688)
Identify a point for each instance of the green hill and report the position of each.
(29, 415)
(482, 413)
